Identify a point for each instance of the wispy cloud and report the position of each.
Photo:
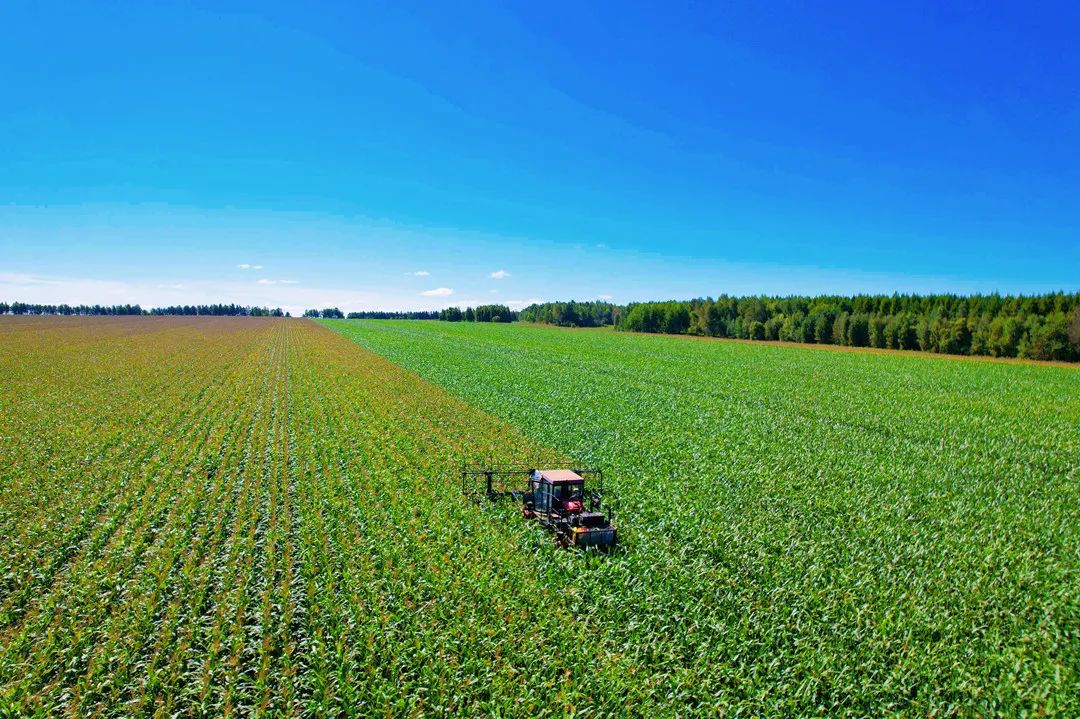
(14, 281)
(287, 294)
(494, 292)
(524, 303)
(604, 297)
(267, 281)
(421, 273)
(438, 292)
(499, 275)
(246, 266)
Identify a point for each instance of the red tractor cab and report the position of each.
(561, 490)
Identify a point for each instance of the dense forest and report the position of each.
(218, 310)
(573, 314)
(1036, 327)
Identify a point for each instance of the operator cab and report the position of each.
(557, 490)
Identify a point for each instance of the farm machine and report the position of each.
(567, 502)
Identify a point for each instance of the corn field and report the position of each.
(807, 531)
(255, 517)
(206, 517)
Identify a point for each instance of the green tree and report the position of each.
(858, 331)
(1004, 336)
(792, 328)
(876, 326)
(1049, 339)
(840, 329)
(772, 327)
(823, 326)
(676, 318)
(717, 323)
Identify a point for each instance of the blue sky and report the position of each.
(527, 151)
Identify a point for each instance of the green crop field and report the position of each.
(806, 531)
(205, 517)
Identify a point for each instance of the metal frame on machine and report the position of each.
(492, 482)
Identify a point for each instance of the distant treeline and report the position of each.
(384, 315)
(23, 308)
(482, 313)
(572, 314)
(332, 313)
(219, 311)
(1037, 327)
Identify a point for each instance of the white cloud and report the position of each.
(524, 303)
(47, 290)
(499, 275)
(246, 266)
(267, 281)
(604, 297)
(176, 286)
(438, 292)
(494, 292)
(421, 273)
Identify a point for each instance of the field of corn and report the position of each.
(807, 531)
(261, 517)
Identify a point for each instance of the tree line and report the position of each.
(332, 313)
(389, 315)
(481, 313)
(573, 314)
(24, 308)
(219, 310)
(216, 310)
(1036, 327)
